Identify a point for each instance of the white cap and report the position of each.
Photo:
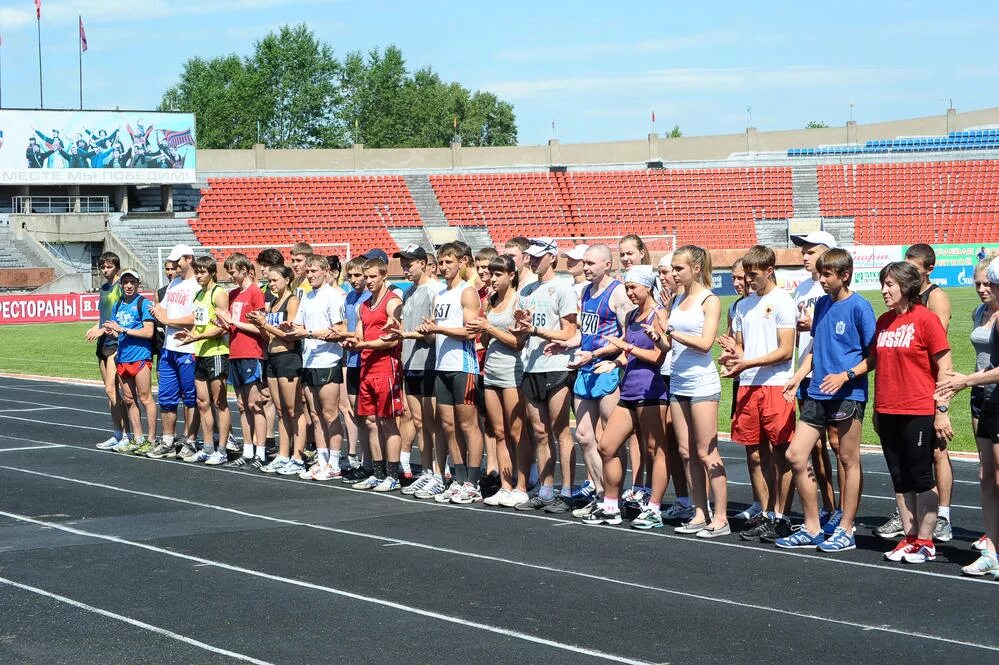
(576, 253)
(816, 238)
(179, 251)
(126, 273)
(643, 275)
(992, 273)
(542, 246)
(666, 261)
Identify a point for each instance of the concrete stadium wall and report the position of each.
(25, 278)
(687, 148)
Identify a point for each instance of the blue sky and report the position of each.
(597, 69)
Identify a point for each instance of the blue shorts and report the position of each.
(175, 373)
(245, 372)
(590, 385)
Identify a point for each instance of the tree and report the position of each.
(816, 124)
(675, 133)
(301, 96)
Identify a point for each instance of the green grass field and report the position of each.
(60, 350)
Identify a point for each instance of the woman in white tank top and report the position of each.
(696, 389)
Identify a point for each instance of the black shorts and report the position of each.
(632, 404)
(820, 413)
(211, 368)
(977, 400)
(988, 423)
(353, 381)
(419, 384)
(908, 443)
(317, 377)
(284, 365)
(735, 391)
(540, 386)
(105, 351)
(455, 388)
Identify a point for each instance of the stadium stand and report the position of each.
(908, 202)
(281, 211)
(973, 139)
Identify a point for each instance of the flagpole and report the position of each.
(41, 96)
(79, 47)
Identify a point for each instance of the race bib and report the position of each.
(275, 318)
(589, 323)
(200, 315)
(540, 320)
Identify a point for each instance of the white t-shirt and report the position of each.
(179, 302)
(549, 303)
(806, 295)
(758, 319)
(318, 310)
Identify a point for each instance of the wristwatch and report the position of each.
(669, 330)
(850, 375)
(943, 408)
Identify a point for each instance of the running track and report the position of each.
(113, 559)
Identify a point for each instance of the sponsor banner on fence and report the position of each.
(50, 308)
(96, 147)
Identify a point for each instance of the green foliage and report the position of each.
(816, 124)
(302, 96)
(675, 133)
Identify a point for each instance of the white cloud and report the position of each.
(706, 80)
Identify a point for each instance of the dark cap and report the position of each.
(375, 254)
(412, 252)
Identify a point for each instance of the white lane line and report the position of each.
(46, 422)
(395, 542)
(134, 622)
(42, 408)
(552, 521)
(100, 395)
(336, 592)
(45, 447)
(47, 406)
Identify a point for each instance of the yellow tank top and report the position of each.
(303, 288)
(204, 315)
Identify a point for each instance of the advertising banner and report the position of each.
(50, 308)
(96, 147)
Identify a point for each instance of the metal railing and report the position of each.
(59, 205)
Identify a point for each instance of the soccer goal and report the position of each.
(658, 245)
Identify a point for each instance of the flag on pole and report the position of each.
(653, 116)
(83, 36)
(38, 9)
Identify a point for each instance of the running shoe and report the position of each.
(514, 499)
(755, 527)
(801, 539)
(239, 463)
(274, 465)
(942, 531)
(256, 464)
(489, 484)
(905, 545)
(534, 503)
(648, 519)
(838, 541)
(749, 513)
(217, 458)
(132, 446)
(431, 490)
(232, 445)
(892, 528)
(122, 446)
(496, 499)
(714, 532)
(198, 458)
(585, 491)
(678, 511)
(310, 472)
(452, 489)
(292, 467)
(369, 483)
(602, 516)
(107, 444)
(587, 509)
(356, 474)
(418, 484)
(560, 504)
(779, 528)
(162, 450)
(187, 450)
(310, 457)
(144, 448)
(831, 524)
(469, 494)
(980, 544)
(983, 565)
(388, 484)
(690, 527)
(326, 472)
(921, 553)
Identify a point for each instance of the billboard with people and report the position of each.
(96, 147)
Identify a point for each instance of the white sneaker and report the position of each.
(292, 467)
(418, 484)
(274, 465)
(368, 483)
(388, 484)
(217, 458)
(198, 457)
(453, 490)
(433, 488)
(514, 498)
(232, 445)
(310, 473)
(496, 499)
(469, 493)
(110, 443)
(327, 472)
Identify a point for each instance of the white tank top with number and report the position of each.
(453, 355)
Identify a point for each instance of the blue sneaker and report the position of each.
(801, 539)
(839, 541)
(832, 524)
(585, 491)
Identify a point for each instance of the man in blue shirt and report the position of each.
(842, 332)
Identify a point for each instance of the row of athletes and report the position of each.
(634, 353)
